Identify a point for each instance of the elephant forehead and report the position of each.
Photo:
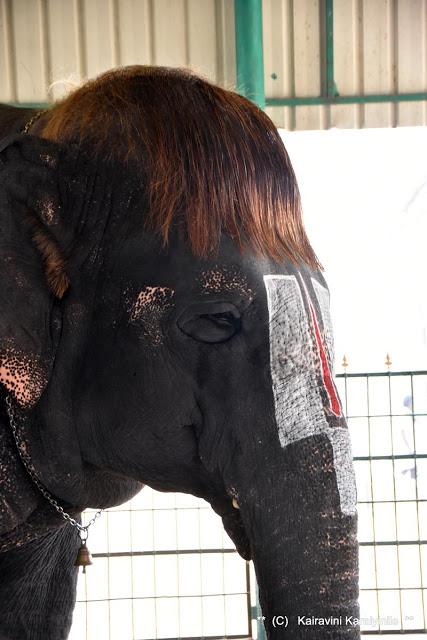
(152, 299)
(224, 278)
(305, 397)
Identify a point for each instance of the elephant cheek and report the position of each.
(22, 375)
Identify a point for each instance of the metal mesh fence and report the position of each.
(164, 567)
(387, 418)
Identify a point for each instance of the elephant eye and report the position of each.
(210, 322)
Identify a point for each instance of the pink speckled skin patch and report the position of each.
(147, 310)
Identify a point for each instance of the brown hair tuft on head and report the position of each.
(209, 157)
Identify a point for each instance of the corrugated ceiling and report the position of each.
(380, 46)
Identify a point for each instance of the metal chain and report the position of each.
(32, 120)
(26, 461)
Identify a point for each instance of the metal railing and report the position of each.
(387, 418)
(163, 568)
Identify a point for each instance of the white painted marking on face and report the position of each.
(322, 295)
(297, 398)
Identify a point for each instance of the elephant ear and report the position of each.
(33, 272)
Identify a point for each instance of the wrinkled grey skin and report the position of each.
(162, 375)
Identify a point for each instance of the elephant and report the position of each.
(165, 322)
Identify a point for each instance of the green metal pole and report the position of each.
(30, 105)
(329, 28)
(260, 618)
(358, 99)
(300, 102)
(249, 50)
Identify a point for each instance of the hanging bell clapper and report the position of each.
(84, 557)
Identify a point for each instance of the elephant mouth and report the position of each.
(233, 524)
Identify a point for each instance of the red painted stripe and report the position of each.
(326, 372)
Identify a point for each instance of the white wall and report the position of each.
(365, 206)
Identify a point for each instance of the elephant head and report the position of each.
(168, 324)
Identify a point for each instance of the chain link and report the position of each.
(26, 461)
(32, 120)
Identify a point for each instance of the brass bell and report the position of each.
(84, 557)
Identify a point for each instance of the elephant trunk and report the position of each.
(304, 548)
